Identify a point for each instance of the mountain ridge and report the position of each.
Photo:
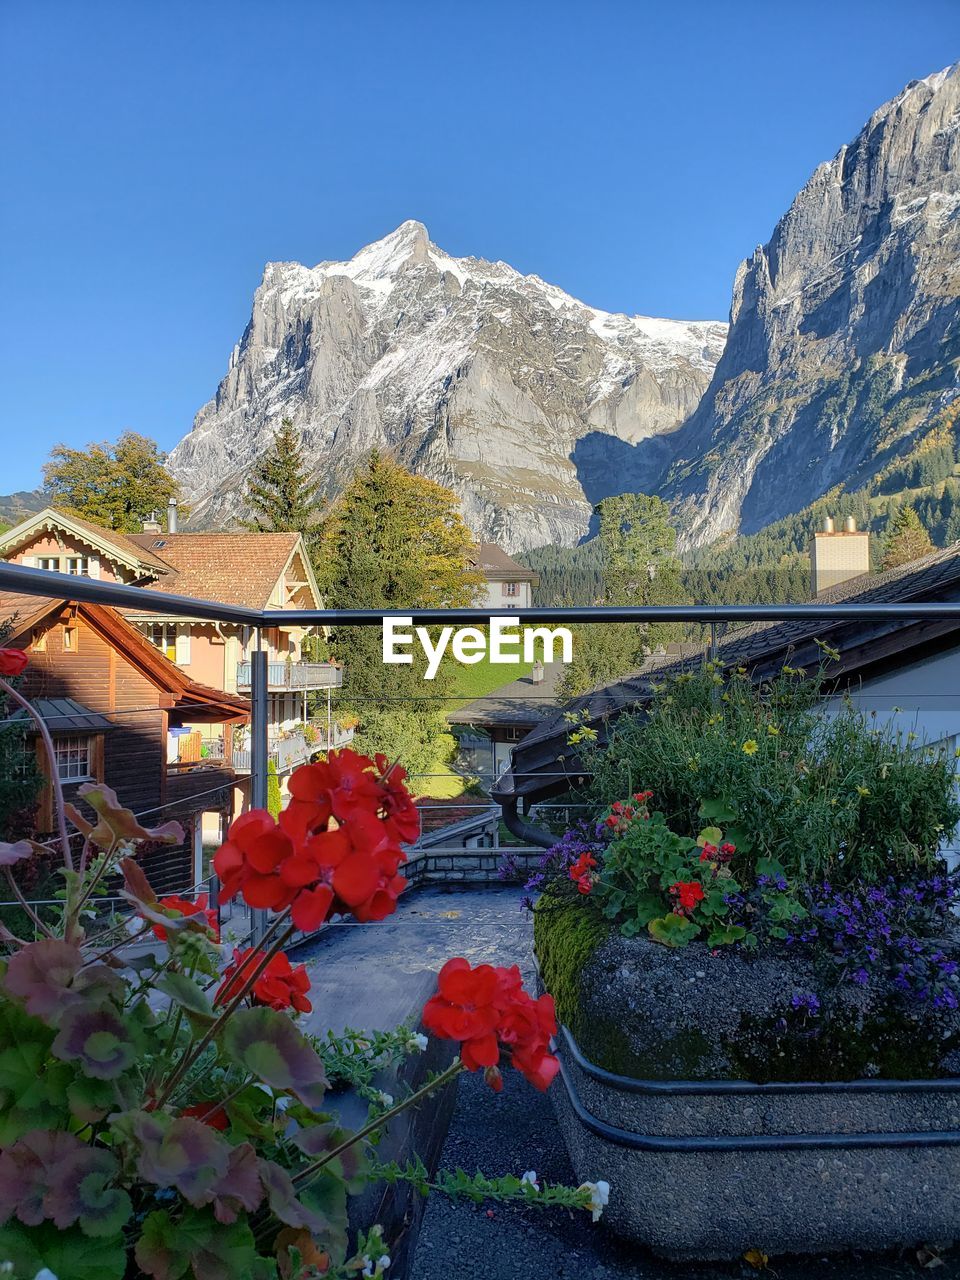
(500, 385)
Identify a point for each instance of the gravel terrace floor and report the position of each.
(515, 1130)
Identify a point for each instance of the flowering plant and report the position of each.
(165, 1117)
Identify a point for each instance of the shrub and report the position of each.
(828, 796)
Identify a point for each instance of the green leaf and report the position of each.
(709, 835)
(716, 811)
(724, 935)
(673, 930)
(213, 1250)
(267, 1044)
(103, 1043)
(189, 995)
(771, 868)
(69, 1254)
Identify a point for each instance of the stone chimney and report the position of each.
(838, 555)
(152, 523)
(536, 675)
(172, 516)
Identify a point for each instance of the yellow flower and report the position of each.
(773, 731)
(717, 719)
(750, 747)
(863, 791)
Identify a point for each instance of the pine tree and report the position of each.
(906, 539)
(279, 493)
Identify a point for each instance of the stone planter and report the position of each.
(710, 1169)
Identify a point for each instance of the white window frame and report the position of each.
(83, 566)
(73, 757)
(50, 563)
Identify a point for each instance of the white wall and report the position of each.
(492, 596)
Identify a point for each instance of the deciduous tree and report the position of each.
(115, 485)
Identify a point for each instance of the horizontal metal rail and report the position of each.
(116, 595)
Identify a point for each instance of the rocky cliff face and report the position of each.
(529, 404)
(844, 342)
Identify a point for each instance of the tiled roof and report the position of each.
(934, 577)
(494, 562)
(231, 568)
(107, 541)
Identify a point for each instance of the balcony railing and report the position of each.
(283, 676)
(295, 749)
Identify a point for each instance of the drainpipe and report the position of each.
(519, 827)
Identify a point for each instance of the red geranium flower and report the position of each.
(184, 907)
(487, 1009)
(12, 662)
(280, 986)
(210, 1113)
(336, 846)
(689, 893)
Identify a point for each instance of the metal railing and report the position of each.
(940, 615)
(286, 676)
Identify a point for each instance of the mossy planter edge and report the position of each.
(710, 1169)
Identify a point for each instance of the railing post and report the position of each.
(258, 758)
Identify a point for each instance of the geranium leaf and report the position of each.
(115, 823)
(673, 930)
(214, 1250)
(135, 881)
(188, 994)
(51, 1174)
(240, 1187)
(41, 975)
(316, 1140)
(266, 1043)
(283, 1201)
(184, 1153)
(69, 1254)
(13, 853)
(102, 1042)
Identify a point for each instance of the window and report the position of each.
(79, 566)
(511, 588)
(71, 636)
(73, 754)
(163, 636)
(49, 562)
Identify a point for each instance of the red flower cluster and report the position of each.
(688, 893)
(280, 986)
(12, 662)
(711, 853)
(487, 1009)
(581, 872)
(621, 815)
(336, 847)
(184, 907)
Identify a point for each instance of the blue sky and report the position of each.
(154, 155)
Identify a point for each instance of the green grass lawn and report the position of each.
(443, 784)
(483, 678)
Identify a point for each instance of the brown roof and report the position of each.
(99, 536)
(494, 562)
(232, 568)
(205, 701)
(762, 647)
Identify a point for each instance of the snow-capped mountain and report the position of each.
(526, 402)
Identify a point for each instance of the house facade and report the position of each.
(113, 704)
(256, 570)
(507, 584)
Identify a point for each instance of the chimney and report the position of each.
(152, 523)
(536, 675)
(838, 555)
(172, 516)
